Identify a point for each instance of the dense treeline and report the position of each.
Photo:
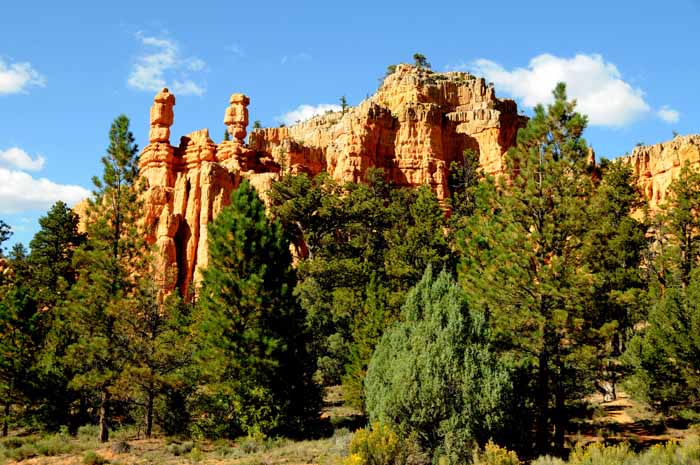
(487, 317)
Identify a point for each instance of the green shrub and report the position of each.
(178, 449)
(671, 453)
(87, 432)
(121, 447)
(434, 376)
(24, 452)
(12, 443)
(93, 458)
(54, 445)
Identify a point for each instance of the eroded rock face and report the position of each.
(414, 127)
(656, 166)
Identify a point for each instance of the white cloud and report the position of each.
(19, 191)
(236, 49)
(14, 157)
(187, 88)
(296, 58)
(304, 112)
(597, 85)
(165, 66)
(668, 114)
(17, 77)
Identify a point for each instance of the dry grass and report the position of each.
(327, 451)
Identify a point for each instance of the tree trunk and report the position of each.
(104, 416)
(6, 420)
(542, 414)
(149, 412)
(559, 415)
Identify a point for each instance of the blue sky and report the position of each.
(68, 68)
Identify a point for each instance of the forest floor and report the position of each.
(622, 420)
(339, 422)
(626, 420)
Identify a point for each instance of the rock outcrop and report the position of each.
(414, 127)
(656, 166)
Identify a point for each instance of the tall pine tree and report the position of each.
(522, 260)
(252, 338)
(107, 266)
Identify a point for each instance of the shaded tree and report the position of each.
(252, 338)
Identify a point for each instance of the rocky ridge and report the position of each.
(656, 166)
(413, 127)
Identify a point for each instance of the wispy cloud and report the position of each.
(15, 157)
(304, 112)
(296, 58)
(18, 77)
(668, 114)
(597, 85)
(237, 50)
(165, 67)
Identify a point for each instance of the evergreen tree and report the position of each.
(420, 61)
(5, 234)
(19, 345)
(52, 251)
(665, 355)
(107, 266)
(523, 260)
(343, 104)
(434, 375)
(227, 136)
(464, 179)
(612, 251)
(678, 231)
(252, 337)
(20, 335)
(158, 343)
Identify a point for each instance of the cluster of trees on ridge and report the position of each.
(491, 324)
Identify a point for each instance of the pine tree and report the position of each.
(19, 346)
(678, 227)
(665, 354)
(107, 266)
(420, 61)
(252, 336)
(522, 259)
(52, 249)
(158, 341)
(612, 251)
(227, 136)
(343, 104)
(5, 234)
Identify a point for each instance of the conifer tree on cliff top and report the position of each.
(106, 266)
(252, 339)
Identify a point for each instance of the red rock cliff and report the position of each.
(416, 124)
(656, 166)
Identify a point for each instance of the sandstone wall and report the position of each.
(656, 166)
(414, 127)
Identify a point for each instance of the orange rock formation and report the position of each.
(656, 166)
(414, 127)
